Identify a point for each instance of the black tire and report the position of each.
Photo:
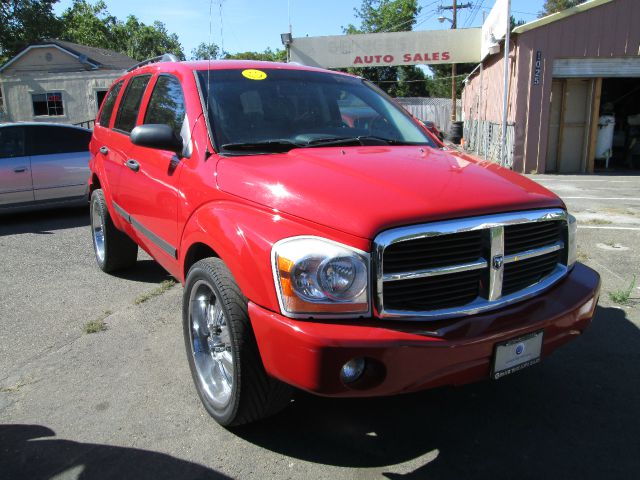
(253, 394)
(117, 251)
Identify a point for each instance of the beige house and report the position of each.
(58, 81)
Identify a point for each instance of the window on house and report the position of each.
(47, 104)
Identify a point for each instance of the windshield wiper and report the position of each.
(361, 140)
(271, 146)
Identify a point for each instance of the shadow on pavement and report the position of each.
(572, 416)
(44, 222)
(24, 453)
(147, 271)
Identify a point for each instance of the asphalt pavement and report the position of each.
(120, 403)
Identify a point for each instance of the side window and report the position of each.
(12, 142)
(109, 102)
(167, 103)
(128, 111)
(47, 140)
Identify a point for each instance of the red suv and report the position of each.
(324, 241)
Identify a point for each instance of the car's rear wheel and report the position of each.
(221, 348)
(114, 249)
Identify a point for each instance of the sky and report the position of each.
(254, 25)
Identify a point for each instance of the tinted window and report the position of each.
(128, 111)
(166, 104)
(302, 108)
(46, 140)
(11, 142)
(107, 110)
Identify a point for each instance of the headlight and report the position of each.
(315, 276)
(572, 247)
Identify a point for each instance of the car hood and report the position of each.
(363, 190)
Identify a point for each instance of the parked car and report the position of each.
(43, 165)
(342, 258)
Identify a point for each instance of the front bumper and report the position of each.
(411, 356)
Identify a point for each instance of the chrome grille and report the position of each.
(465, 266)
(433, 252)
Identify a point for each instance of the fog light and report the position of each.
(352, 370)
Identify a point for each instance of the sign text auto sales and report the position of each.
(387, 49)
(406, 58)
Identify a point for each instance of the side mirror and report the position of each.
(157, 135)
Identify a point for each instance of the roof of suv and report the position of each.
(228, 65)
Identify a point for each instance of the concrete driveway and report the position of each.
(120, 403)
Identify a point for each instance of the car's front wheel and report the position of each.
(114, 249)
(222, 351)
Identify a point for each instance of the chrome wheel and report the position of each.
(97, 228)
(211, 344)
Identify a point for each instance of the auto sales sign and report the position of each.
(389, 49)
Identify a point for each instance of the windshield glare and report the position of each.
(301, 108)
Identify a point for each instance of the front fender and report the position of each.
(242, 235)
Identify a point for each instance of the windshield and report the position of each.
(275, 110)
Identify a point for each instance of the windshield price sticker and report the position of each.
(253, 74)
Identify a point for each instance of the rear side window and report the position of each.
(48, 140)
(128, 111)
(105, 115)
(167, 103)
(12, 142)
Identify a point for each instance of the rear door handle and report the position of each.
(104, 150)
(20, 169)
(133, 165)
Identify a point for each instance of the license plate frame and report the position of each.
(516, 354)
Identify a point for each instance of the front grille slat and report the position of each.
(435, 247)
(446, 291)
(528, 236)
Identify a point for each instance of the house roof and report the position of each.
(95, 58)
(554, 17)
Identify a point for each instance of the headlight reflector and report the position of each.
(319, 276)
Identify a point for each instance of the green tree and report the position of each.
(279, 55)
(554, 6)
(93, 25)
(140, 41)
(23, 22)
(205, 51)
(389, 16)
(88, 24)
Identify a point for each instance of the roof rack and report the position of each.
(167, 57)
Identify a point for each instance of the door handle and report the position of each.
(104, 150)
(20, 169)
(133, 165)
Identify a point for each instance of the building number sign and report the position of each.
(537, 69)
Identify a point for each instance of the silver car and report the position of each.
(43, 165)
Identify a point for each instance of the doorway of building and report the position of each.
(570, 125)
(620, 103)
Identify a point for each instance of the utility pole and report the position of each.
(505, 100)
(454, 25)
